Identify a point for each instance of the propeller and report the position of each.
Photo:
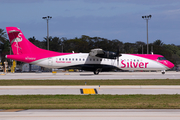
(118, 55)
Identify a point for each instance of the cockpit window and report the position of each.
(161, 58)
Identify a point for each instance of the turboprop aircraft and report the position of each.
(96, 60)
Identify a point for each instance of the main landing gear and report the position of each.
(96, 72)
(163, 72)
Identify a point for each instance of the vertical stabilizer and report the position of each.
(20, 45)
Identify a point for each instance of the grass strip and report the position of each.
(92, 82)
(90, 102)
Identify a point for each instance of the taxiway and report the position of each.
(75, 90)
(91, 76)
(89, 114)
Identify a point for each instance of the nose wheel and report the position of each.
(163, 72)
(96, 72)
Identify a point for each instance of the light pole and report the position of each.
(0, 50)
(47, 18)
(147, 18)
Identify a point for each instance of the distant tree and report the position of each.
(131, 48)
(3, 36)
(171, 47)
(4, 45)
(141, 47)
(55, 44)
(37, 43)
(115, 45)
(178, 52)
(158, 43)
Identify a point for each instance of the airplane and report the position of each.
(97, 60)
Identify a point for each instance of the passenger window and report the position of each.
(73, 59)
(100, 59)
(76, 59)
(79, 59)
(69, 59)
(83, 59)
(93, 59)
(97, 60)
(66, 59)
(90, 59)
(63, 59)
(60, 59)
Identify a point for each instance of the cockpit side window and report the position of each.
(161, 58)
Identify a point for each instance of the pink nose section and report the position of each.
(170, 65)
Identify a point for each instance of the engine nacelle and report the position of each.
(103, 54)
(95, 52)
(108, 54)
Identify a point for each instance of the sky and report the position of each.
(111, 19)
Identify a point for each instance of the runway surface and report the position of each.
(75, 90)
(91, 76)
(91, 114)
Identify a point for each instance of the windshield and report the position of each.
(161, 58)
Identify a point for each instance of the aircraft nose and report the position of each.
(170, 64)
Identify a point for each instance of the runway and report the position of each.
(91, 76)
(75, 90)
(93, 114)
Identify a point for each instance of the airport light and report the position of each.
(147, 18)
(47, 18)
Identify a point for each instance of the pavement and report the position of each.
(92, 114)
(76, 90)
(91, 76)
(89, 114)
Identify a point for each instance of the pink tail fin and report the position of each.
(20, 45)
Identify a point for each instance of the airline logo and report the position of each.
(17, 39)
(134, 64)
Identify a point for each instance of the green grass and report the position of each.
(90, 102)
(91, 82)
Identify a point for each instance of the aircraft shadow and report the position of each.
(86, 74)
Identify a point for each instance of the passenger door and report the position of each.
(50, 62)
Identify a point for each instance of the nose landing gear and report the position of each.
(163, 72)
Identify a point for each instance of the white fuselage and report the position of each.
(126, 62)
